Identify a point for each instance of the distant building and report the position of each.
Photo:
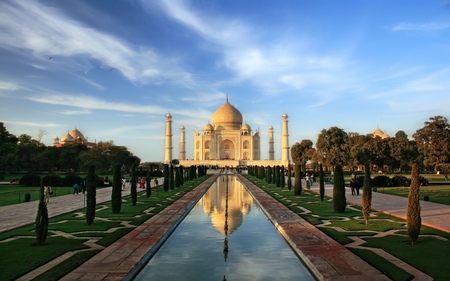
(379, 133)
(71, 138)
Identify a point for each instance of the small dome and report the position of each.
(56, 138)
(182, 128)
(208, 127)
(245, 127)
(77, 134)
(271, 128)
(67, 138)
(168, 116)
(227, 117)
(285, 116)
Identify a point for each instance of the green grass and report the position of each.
(23, 257)
(436, 193)
(431, 256)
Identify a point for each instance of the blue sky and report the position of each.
(352, 64)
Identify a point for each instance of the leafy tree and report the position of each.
(91, 193)
(322, 183)
(356, 143)
(298, 180)
(302, 152)
(166, 177)
(116, 195)
(41, 218)
(148, 188)
(402, 150)
(8, 144)
(433, 141)
(339, 200)
(332, 146)
(414, 220)
(445, 170)
(367, 193)
(379, 152)
(289, 180)
(133, 185)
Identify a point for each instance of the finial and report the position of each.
(227, 97)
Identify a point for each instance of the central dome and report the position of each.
(227, 117)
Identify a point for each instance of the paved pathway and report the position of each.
(432, 214)
(15, 216)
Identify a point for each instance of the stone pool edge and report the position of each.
(325, 258)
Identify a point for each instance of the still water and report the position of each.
(195, 251)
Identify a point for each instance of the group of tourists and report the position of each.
(354, 185)
(78, 188)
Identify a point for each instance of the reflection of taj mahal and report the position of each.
(227, 142)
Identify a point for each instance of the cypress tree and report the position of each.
(181, 175)
(41, 218)
(269, 174)
(166, 177)
(148, 188)
(413, 212)
(277, 176)
(274, 175)
(298, 180)
(282, 177)
(289, 181)
(177, 177)
(116, 195)
(367, 193)
(90, 195)
(171, 178)
(322, 183)
(133, 185)
(339, 200)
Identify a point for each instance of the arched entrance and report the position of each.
(226, 150)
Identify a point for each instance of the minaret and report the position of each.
(271, 149)
(285, 142)
(168, 147)
(182, 144)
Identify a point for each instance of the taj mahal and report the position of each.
(227, 142)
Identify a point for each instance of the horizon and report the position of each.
(115, 71)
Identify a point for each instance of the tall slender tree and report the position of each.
(339, 200)
(367, 193)
(116, 195)
(91, 194)
(277, 168)
(133, 185)
(41, 218)
(414, 220)
(148, 188)
(166, 177)
(289, 180)
(274, 175)
(322, 183)
(282, 179)
(298, 180)
(181, 175)
(171, 178)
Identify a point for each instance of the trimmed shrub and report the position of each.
(339, 200)
(52, 180)
(426, 198)
(380, 181)
(289, 178)
(72, 179)
(116, 195)
(423, 181)
(41, 218)
(27, 197)
(414, 220)
(367, 194)
(298, 180)
(30, 180)
(399, 181)
(374, 189)
(90, 196)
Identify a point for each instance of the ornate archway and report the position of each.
(227, 150)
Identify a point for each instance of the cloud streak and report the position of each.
(404, 26)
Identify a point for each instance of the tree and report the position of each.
(402, 150)
(302, 152)
(8, 144)
(166, 177)
(274, 175)
(332, 146)
(116, 195)
(133, 185)
(322, 183)
(91, 193)
(379, 151)
(289, 180)
(445, 170)
(181, 175)
(298, 180)
(339, 200)
(367, 193)
(171, 178)
(414, 220)
(278, 183)
(433, 141)
(177, 177)
(41, 218)
(148, 188)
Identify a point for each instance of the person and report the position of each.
(353, 186)
(357, 186)
(75, 189)
(83, 186)
(311, 179)
(308, 182)
(142, 182)
(47, 192)
(353, 176)
(123, 182)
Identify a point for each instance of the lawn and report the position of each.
(436, 193)
(23, 256)
(430, 256)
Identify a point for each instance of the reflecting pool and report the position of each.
(225, 217)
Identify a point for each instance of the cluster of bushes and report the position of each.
(380, 181)
(55, 180)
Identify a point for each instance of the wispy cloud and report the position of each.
(75, 112)
(48, 31)
(404, 26)
(33, 124)
(8, 86)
